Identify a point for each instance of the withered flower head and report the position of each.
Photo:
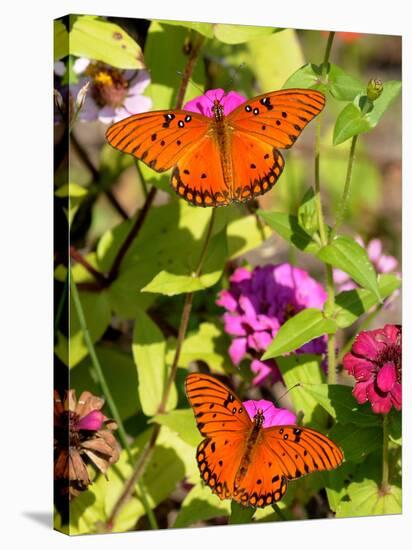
(82, 435)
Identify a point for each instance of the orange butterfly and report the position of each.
(223, 159)
(245, 461)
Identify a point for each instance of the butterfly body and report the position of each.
(242, 459)
(221, 159)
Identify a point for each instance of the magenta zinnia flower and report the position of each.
(203, 103)
(272, 415)
(257, 304)
(375, 361)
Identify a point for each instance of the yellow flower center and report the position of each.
(109, 86)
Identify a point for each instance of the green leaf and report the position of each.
(112, 164)
(341, 85)
(237, 34)
(287, 226)
(97, 311)
(339, 402)
(356, 441)
(351, 304)
(207, 344)
(302, 368)
(181, 282)
(75, 194)
(182, 422)
(240, 514)
(149, 348)
(120, 373)
(395, 427)
(165, 41)
(367, 499)
(244, 235)
(200, 505)
(303, 327)
(346, 254)
(258, 54)
(61, 40)
(307, 214)
(206, 29)
(355, 119)
(106, 42)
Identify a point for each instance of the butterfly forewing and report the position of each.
(159, 138)
(277, 118)
(217, 409)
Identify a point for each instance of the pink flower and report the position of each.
(203, 103)
(381, 262)
(114, 94)
(272, 415)
(375, 361)
(257, 304)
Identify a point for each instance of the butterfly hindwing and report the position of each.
(277, 118)
(159, 138)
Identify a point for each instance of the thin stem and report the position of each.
(279, 512)
(344, 200)
(79, 258)
(134, 231)
(60, 305)
(330, 288)
(103, 384)
(385, 462)
(148, 451)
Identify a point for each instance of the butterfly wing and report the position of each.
(283, 453)
(277, 118)
(222, 419)
(198, 176)
(159, 138)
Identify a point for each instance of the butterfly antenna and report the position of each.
(192, 82)
(287, 391)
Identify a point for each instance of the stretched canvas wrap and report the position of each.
(227, 274)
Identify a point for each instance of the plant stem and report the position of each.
(330, 288)
(385, 462)
(147, 452)
(79, 258)
(103, 384)
(279, 512)
(344, 200)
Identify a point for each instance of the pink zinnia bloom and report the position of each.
(257, 304)
(382, 263)
(203, 103)
(375, 361)
(272, 415)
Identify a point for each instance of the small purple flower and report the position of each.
(382, 263)
(375, 361)
(272, 415)
(203, 104)
(114, 94)
(257, 304)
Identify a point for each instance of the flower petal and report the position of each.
(386, 377)
(234, 324)
(227, 300)
(272, 415)
(93, 421)
(360, 391)
(366, 344)
(261, 369)
(396, 394)
(381, 403)
(237, 350)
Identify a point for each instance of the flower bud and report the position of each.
(374, 89)
(81, 96)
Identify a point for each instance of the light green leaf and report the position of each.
(202, 28)
(200, 505)
(207, 344)
(307, 214)
(181, 421)
(120, 373)
(287, 226)
(244, 235)
(302, 368)
(303, 327)
(351, 304)
(75, 194)
(356, 118)
(180, 282)
(149, 348)
(61, 40)
(339, 402)
(346, 254)
(106, 42)
(366, 499)
(237, 34)
(97, 311)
